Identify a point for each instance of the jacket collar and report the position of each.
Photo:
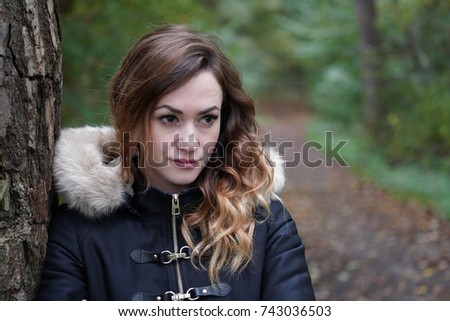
(154, 202)
(95, 188)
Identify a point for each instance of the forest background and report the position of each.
(376, 76)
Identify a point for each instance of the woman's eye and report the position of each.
(168, 119)
(208, 120)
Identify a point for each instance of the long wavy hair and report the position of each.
(160, 62)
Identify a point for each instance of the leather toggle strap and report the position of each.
(221, 290)
(165, 257)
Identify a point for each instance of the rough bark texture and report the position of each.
(371, 62)
(30, 94)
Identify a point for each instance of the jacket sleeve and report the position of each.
(286, 275)
(62, 275)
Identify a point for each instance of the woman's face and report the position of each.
(184, 129)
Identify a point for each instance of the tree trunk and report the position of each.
(371, 63)
(30, 95)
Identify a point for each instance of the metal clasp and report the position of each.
(183, 254)
(178, 296)
(190, 295)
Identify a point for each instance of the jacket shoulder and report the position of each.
(285, 270)
(274, 215)
(67, 222)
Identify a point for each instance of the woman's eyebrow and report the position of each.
(209, 109)
(172, 109)
(178, 111)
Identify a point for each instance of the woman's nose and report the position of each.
(186, 139)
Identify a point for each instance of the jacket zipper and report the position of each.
(175, 213)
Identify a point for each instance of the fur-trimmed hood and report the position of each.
(94, 188)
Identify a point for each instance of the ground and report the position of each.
(361, 243)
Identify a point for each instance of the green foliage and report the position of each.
(417, 92)
(422, 133)
(336, 95)
(416, 82)
(326, 48)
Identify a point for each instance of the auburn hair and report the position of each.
(158, 63)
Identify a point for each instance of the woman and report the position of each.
(178, 201)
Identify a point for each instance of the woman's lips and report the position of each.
(185, 163)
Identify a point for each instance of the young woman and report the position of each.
(177, 201)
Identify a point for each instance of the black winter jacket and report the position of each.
(117, 242)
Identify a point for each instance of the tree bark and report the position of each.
(30, 96)
(371, 63)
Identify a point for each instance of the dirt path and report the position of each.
(361, 244)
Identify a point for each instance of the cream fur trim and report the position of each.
(81, 177)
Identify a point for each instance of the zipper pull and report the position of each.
(175, 205)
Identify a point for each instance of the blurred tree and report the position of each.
(30, 95)
(370, 43)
